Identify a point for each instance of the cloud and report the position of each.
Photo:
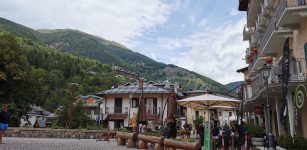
(233, 12)
(120, 20)
(203, 23)
(215, 52)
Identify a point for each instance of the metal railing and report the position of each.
(283, 4)
(268, 32)
(117, 110)
(298, 73)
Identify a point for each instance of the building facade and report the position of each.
(121, 104)
(277, 34)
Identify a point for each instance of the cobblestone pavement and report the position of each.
(59, 144)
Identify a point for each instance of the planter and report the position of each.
(280, 148)
(122, 137)
(174, 144)
(145, 139)
(258, 141)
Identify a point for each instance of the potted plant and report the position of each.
(257, 133)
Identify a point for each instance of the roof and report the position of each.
(243, 5)
(242, 69)
(37, 110)
(147, 88)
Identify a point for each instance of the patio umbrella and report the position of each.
(171, 106)
(142, 108)
(208, 101)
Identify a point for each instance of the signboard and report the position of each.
(285, 79)
(207, 142)
(299, 98)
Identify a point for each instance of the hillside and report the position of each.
(110, 52)
(233, 85)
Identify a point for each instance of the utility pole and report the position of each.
(72, 87)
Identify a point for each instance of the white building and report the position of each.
(122, 103)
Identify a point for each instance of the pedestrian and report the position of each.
(226, 131)
(4, 120)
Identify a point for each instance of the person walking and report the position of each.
(4, 120)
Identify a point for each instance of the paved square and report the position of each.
(58, 144)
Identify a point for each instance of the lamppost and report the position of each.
(265, 74)
(72, 87)
(99, 118)
(99, 101)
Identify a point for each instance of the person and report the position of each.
(201, 133)
(241, 132)
(216, 134)
(226, 131)
(4, 120)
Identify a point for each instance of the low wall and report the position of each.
(53, 133)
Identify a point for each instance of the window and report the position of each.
(154, 109)
(135, 102)
(96, 111)
(196, 114)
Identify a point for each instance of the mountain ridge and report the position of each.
(109, 52)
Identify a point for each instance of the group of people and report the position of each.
(4, 120)
(235, 130)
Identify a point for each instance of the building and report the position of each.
(35, 116)
(277, 34)
(222, 114)
(122, 103)
(91, 104)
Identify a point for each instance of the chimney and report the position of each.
(141, 84)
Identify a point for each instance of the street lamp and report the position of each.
(265, 71)
(99, 114)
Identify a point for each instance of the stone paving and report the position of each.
(59, 144)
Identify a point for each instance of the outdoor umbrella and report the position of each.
(171, 106)
(208, 101)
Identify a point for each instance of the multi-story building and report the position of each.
(271, 26)
(91, 105)
(120, 104)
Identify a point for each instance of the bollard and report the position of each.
(245, 144)
(232, 142)
(223, 143)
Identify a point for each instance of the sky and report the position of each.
(204, 36)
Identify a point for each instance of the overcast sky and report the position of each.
(204, 36)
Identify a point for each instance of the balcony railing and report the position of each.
(283, 4)
(298, 72)
(268, 32)
(117, 110)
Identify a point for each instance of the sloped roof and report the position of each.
(147, 88)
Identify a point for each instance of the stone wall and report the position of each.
(53, 133)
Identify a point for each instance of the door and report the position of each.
(118, 105)
(154, 109)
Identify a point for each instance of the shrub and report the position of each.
(254, 130)
(296, 143)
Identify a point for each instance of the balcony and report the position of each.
(290, 12)
(247, 33)
(298, 72)
(254, 7)
(116, 113)
(270, 41)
